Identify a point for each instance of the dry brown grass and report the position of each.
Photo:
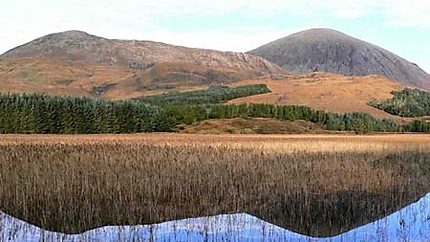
(314, 184)
(252, 126)
(58, 77)
(330, 92)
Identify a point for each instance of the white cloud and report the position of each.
(24, 20)
(411, 13)
(242, 40)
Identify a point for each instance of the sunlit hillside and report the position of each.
(330, 92)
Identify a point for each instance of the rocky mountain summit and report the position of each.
(81, 46)
(328, 50)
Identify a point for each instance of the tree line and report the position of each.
(357, 122)
(39, 113)
(406, 103)
(213, 95)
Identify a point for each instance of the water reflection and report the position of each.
(412, 223)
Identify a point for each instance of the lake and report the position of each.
(412, 223)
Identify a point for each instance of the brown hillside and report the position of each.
(60, 77)
(55, 76)
(330, 92)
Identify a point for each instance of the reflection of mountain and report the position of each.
(320, 193)
(410, 223)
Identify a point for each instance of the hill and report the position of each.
(335, 52)
(79, 64)
(62, 77)
(330, 92)
(325, 91)
(141, 55)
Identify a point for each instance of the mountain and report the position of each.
(332, 51)
(77, 63)
(81, 46)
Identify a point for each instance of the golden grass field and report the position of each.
(329, 92)
(318, 185)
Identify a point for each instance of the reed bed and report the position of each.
(315, 185)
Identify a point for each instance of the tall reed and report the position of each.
(75, 183)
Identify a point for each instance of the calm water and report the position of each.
(412, 223)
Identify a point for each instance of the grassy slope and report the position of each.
(328, 92)
(58, 77)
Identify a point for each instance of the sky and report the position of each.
(400, 26)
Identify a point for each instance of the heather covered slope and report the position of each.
(332, 51)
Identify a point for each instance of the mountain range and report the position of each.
(80, 64)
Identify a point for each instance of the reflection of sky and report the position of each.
(409, 224)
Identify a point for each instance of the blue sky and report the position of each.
(400, 26)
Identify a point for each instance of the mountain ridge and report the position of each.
(80, 63)
(80, 46)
